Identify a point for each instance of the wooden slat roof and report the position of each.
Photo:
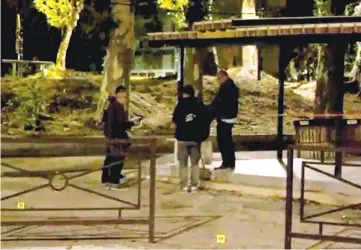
(225, 31)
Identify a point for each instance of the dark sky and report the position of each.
(42, 41)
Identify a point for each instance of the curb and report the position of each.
(274, 193)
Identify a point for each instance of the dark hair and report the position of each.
(120, 88)
(223, 72)
(188, 89)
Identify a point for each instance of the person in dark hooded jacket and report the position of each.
(116, 126)
(189, 119)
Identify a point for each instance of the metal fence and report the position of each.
(147, 149)
(289, 233)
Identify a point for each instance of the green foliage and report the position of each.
(350, 8)
(57, 12)
(96, 21)
(176, 10)
(196, 11)
(322, 8)
(31, 103)
(303, 66)
(147, 19)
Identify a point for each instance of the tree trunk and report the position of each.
(329, 94)
(357, 62)
(356, 69)
(330, 81)
(189, 66)
(214, 48)
(120, 53)
(200, 54)
(249, 53)
(64, 44)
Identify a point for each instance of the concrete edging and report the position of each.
(269, 192)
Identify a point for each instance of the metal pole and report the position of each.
(281, 93)
(180, 72)
(152, 190)
(140, 157)
(289, 199)
(338, 139)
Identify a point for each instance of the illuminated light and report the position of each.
(221, 238)
(21, 205)
(304, 123)
(352, 122)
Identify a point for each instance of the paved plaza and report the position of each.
(183, 220)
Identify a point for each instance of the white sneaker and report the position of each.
(194, 188)
(123, 180)
(118, 187)
(184, 190)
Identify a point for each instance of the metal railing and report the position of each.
(289, 233)
(149, 150)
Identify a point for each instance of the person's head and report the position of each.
(187, 91)
(222, 76)
(121, 94)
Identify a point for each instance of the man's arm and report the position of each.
(110, 118)
(175, 117)
(218, 99)
(121, 118)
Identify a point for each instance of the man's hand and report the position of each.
(136, 119)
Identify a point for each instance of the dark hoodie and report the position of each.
(115, 120)
(191, 119)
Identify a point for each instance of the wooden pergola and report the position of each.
(287, 33)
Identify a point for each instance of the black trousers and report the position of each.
(225, 143)
(112, 174)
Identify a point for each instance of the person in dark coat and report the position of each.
(191, 130)
(116, 126)
(225, 109)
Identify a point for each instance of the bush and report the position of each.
(31, 103)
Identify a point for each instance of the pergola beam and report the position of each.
(242, 41)
(296, 20)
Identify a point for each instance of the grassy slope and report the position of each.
(155, 99)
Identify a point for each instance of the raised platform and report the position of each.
(262, 169)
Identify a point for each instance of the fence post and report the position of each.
(153, 152)
(289, 199)
(338, 142)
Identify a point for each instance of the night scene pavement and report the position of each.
(183, 220)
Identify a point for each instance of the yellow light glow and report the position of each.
(21, 205)
(221, 238)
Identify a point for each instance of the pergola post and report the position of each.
(180, 71)
(259, 62)
(281, 92)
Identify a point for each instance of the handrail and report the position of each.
(26, 61)
(354, 149)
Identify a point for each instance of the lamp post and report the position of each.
(19, 38)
